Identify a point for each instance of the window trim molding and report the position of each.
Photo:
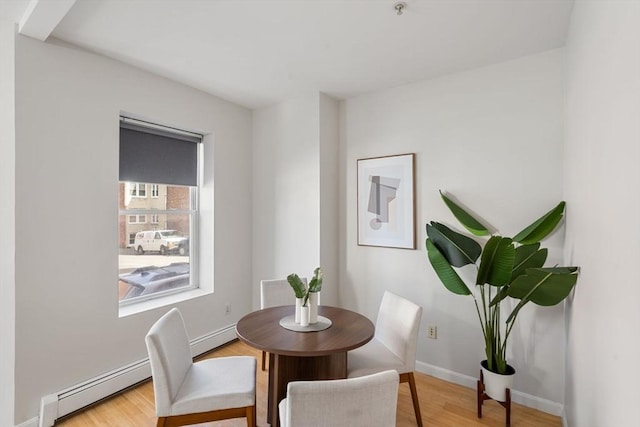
(163, 300)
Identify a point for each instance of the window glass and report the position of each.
(157, 259)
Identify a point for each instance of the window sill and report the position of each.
(151, 304)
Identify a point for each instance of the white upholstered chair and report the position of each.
(276, 292)
(368, 401)
(192, 393)
(393, 345)
(273, 293)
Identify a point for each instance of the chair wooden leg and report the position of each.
(409, 378)
(251, 416)
(205, 417)
(264, 359)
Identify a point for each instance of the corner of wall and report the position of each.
(7, 218)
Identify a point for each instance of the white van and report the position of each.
(163, 241)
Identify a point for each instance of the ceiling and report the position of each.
(259, 52)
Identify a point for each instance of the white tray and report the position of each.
(289, 322)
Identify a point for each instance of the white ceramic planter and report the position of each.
(304, 315)
(298, 307)
(496, 385)
(313, 307)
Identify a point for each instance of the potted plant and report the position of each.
(306, 297)
(508, 267)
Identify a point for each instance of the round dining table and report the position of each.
(300, 355)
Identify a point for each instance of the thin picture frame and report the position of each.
(386, 201)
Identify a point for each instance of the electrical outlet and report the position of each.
(432, 332)
(227, 308)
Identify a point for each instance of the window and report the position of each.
(159, 257)
(137, 189)
(137, 219)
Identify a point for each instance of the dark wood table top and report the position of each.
(261, 329)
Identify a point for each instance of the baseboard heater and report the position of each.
(57, 405)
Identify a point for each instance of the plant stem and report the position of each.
(475, 301)
(507, 335)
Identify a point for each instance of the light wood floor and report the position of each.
(443, 404)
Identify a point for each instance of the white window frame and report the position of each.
(155, 190)
(193, 213)
(134, 189)
(138, 304)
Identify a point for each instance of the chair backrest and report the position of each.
(365, 401)
(169, 356)
(277, 292)
(397, 327)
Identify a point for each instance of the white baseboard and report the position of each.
(528, 400)
(33, 422)
(212, 340)
(66, 401)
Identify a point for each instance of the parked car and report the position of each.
(183, 249)
(148, 280)
(163, 241)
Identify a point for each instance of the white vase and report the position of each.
(496, 385)
(304, 315)
(298, 307)
(313, 307)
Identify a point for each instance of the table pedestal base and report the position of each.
(284, 369)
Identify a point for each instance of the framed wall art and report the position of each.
(386, 208)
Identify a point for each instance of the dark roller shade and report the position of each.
(157, 156)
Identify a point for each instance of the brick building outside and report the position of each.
(150, 197)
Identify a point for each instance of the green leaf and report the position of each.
(445, 272)
(528, 256)
(469, 222)
(457, 248)
(502, 294)
(542, 286)
(542, 227)
(298, 286)
(315, 285)
(496, 263)
(560, 270)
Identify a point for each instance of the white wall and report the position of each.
(329, 190)
(67, 107)
(290, 140)
(602, 185)
(492, 137)
(7, 217)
